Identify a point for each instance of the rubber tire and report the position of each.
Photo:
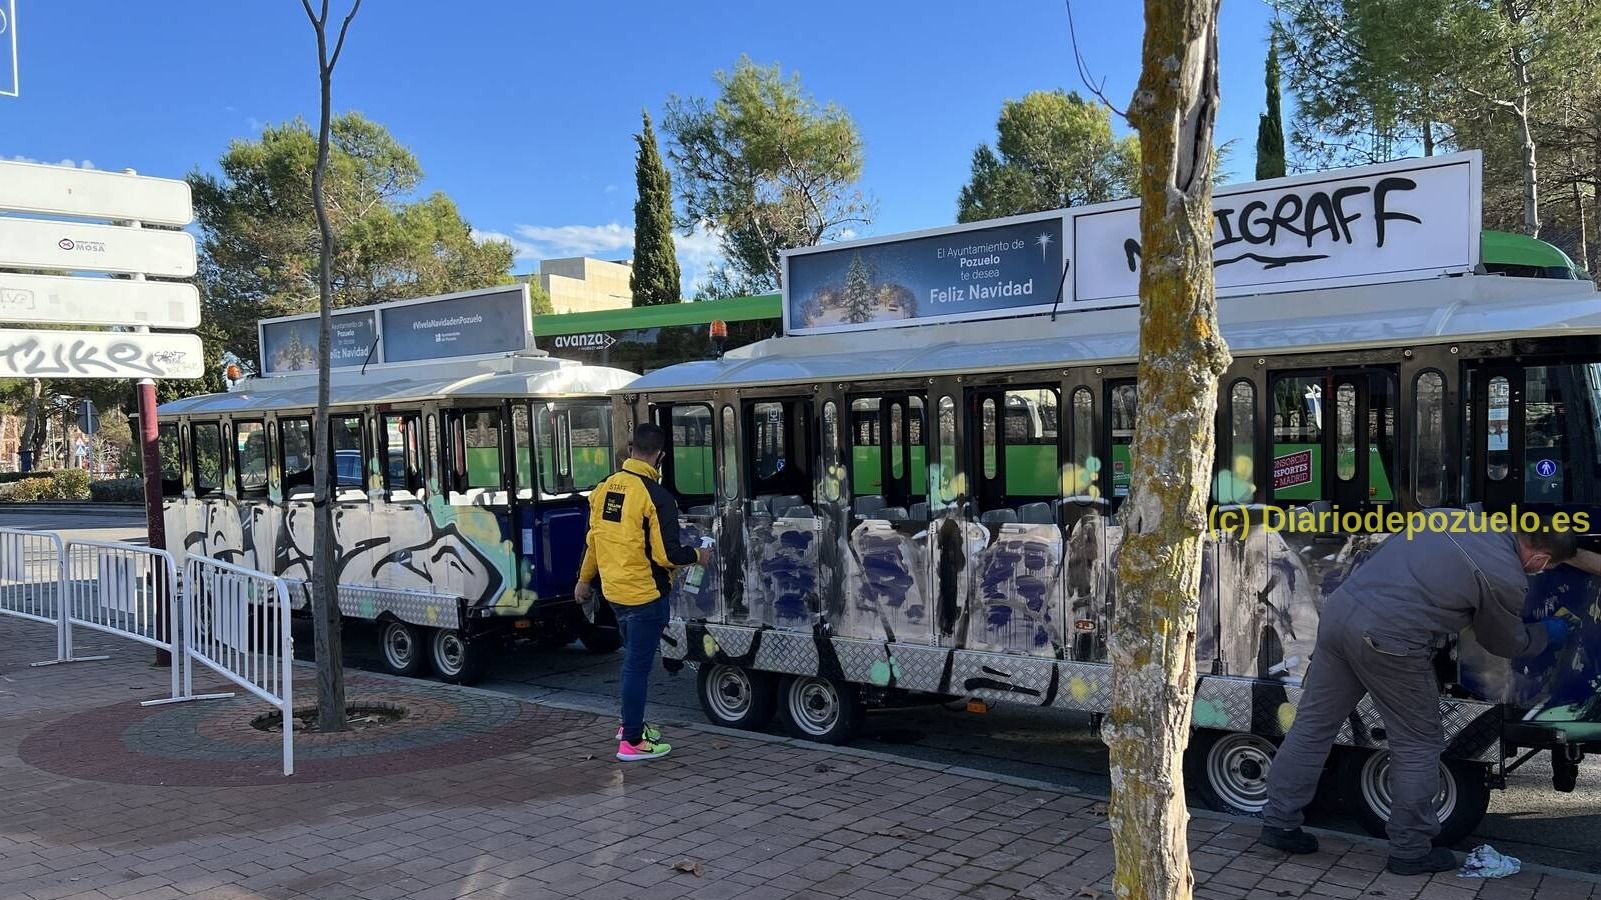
(414, 635)
(840, 727)
(1472, 796)
(474, 660)
(1198, 769)
(760, 687)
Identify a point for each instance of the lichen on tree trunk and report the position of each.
(1182, 353)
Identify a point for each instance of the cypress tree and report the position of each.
(1270, 128)
(655, 278)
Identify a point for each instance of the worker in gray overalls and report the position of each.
(1378, 635)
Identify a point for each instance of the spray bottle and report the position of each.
(697, 575)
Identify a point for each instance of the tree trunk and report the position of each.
(1584, 224)
(33, 424)
(325, 577)
(1531, 171)
(1520, 111)
(1182, 353)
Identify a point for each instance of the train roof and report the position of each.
(517, 375)
(1466, 307)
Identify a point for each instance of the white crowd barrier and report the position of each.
(125, 590)
(236, 623)
(232, 620)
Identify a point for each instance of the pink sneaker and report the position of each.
(645, 749)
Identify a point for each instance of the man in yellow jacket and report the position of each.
(633, 545)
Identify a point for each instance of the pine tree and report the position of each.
(1270, 128)
(859, 294)
(655, 278)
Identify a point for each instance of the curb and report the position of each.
(959, 771)
(72, 508)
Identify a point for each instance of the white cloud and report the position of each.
(69, 163)
(697, 252)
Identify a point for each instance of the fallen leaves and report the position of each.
(693, 866)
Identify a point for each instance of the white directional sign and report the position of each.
(98, 301)
(90, 193)
(99, 354)
(41, 244)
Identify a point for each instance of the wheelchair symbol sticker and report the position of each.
(1545, 468)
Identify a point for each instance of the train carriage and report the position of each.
(460, 496)
(933, 510)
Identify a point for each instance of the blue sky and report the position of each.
(523, 111)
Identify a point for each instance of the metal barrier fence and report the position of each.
(33, 585)
(123, 590)
(236, 623)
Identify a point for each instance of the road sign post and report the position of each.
(51, 235)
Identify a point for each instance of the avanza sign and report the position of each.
(1399, 221)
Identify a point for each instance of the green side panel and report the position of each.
(1378, 478)
(525, 471)
(1031, 471)
(591, 465)
(1508, 249)
(1122, 470)
(1309, 489)
(730, 309)
(483, 466)
(867, 476)
(692, 470)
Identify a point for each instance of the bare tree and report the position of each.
(325, 578)
(1182, 353)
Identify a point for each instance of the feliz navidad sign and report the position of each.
(1394, 222)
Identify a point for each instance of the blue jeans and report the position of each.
(641, 629)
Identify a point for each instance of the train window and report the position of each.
(350, 463)
(778, 450)
(1345, 432)
(831, 460)
(475, 442)
(170, 447)
(1297, 408)
(250, 456)
(988, 429)
(1123, 403)
(1428, 439)
(402, 455)
(1561, 433)
(889, 452)
(946, 481)
(206, 440)
(1031, 446)
(689, 465)
(294, 454)
(1236, 478)
(522, 451)
(574, 441)
(730, 468)
(1497, 446)
(1086, 462)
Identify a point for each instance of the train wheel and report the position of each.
(736, 697)
(821, 709)
(1463, 798)
(456, 658)
(402, 645)
(1228, 769)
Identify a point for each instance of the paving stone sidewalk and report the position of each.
(480, 796)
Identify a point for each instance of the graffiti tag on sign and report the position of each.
(69, 354)
(1292, 469)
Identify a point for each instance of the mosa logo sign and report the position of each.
(73, 246)
(8, 48)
